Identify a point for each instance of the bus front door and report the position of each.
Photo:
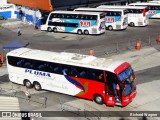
(109, 95)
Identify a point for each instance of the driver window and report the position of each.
(111, 78)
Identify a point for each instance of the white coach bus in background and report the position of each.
(75, 22)
(137, 15)
(154, 1)
(152, 8)
(115, 19)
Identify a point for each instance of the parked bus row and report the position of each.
(105, 17)
(95, 20)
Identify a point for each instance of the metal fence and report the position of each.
(85, 111)
(116, 48)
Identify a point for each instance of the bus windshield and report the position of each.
(127, 78)
(125, 74)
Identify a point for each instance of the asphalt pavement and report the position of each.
(145, 62)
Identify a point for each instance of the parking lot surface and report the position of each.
(116, 45)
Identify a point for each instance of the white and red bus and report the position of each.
(77, 75)
(137, 15)
(152, 8)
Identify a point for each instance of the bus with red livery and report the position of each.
(73, 74)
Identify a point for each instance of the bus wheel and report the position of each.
(37, 86)
(110, 28)
(79, 32)
(49, 29)
(86, 32)
(132, 24)
(28, 84)
(98, 99)
(54, 29)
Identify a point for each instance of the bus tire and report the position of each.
(86, 32)
(98, 99)
(110, 28)
(132, 24)
(54, 29)
(27, 83)
(79, 32)
(49, 29)
(37, 86)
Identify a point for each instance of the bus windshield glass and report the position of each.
(125, 74)
(128, 87)
(127, 78)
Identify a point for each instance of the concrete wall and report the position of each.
(32, 16)
(3, 2)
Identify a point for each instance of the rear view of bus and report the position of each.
(115, 19)
(137, 15)
(75, 22)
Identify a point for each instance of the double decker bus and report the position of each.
(137, 15)
(153, 8)
(73, 74)
(75, 22)
(115, 19)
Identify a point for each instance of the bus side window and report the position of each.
(20, 63)
(41, 67)
(28, 65)
(96, 75)
(66, 70)
(74, 71)
(82, 73)
(56, 69)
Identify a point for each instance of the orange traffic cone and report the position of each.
(35, 28)
(138, 45)
(2, 58)
(158, 40)
(91, 52)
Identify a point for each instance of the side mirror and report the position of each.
(135, 76)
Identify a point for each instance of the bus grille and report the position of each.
(118, 26)
(140, 23)
(94, 30)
